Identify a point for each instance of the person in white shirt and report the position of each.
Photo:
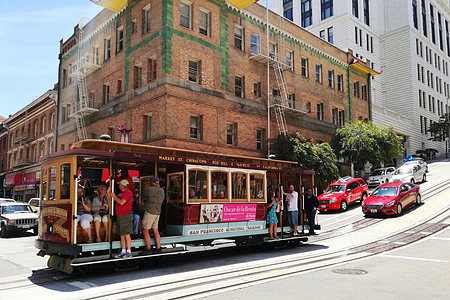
(292, 207)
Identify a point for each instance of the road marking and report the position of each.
(82, 285)
(440, 238)
(413, 258)
(417, 213)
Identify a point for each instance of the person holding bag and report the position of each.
(100, 211)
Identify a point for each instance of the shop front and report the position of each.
(23, 187)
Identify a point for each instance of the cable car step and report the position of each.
(80, 261)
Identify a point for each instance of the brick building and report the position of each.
(194, 75)
(3, 154)
(32, 135)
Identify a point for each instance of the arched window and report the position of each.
(42, 149)
(50, 147)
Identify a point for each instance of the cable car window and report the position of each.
(219, 185)
(239, 186)
(52, 191)
(198, 184)
(176, 188)
(65, 181)
(257, 186)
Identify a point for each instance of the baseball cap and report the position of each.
(124, 182)
(155, 179)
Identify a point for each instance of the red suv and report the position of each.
(340, 194)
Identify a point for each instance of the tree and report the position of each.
(363, 142)
(309, 156)
(440, 130)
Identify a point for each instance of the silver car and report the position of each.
(380, 176)
(410, 173)
(419, 162)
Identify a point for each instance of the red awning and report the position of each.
(13, 179)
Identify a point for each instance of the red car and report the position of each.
(392, 198)
(343, 192)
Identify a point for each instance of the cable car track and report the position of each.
(258, 273)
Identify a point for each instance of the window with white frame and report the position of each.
(146, 19)
(194, 128)
(273, 50)
(290, 59)
(239, 38)
(330, 35)
(320, 111)
(259, 139)
(341, 118)
(255, 44)
(204, 22)
(319, 73)
(185, 14)
(231, 134)
(340, 83)
(107, 53)
(119, 39)
(330, 79)
(356, 89)
(44, 120)
(239, 86)
(194, 71)
(304, 67)
(52, 121)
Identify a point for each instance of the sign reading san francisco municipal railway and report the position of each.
(224, 230)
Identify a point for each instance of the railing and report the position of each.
(256, 50)
(23, 138)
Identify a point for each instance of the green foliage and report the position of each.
(363, 142)
(317, 157)
(440, 130)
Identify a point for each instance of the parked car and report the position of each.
(7, 200)
(420, 162)
(410, 173)
(392, 198)
(35, 204)
(380, 176)
(16, 217)
(340, 194)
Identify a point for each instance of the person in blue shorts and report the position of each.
(292, 207)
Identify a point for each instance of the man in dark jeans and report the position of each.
(311, 205)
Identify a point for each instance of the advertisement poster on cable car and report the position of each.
(215, 213)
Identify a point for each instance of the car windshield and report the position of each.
(385, 191)
(377, 172)
(401, 171)
(11, 209)
(339, 188)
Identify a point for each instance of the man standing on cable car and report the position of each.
(153, 199)
(124, 214)
(292, 207)
(311, 205)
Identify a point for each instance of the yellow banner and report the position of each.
(242, 3)
(114, 5)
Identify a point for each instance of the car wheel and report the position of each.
(343, 205)
(418, 199)
(412, 181)
(424, 178)
(399, 209)
(3, 232)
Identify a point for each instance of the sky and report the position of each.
(30, 32)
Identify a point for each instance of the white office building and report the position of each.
(408, 40)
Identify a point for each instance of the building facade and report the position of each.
(3, 154)
(194, 75)
(406, 39)
(31, 136)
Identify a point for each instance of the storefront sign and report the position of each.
(29, 178)
(13, 179)
(224, 230)
(215, 213)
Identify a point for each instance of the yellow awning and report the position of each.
(114, 5)
(242, 3)
(356, 64)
